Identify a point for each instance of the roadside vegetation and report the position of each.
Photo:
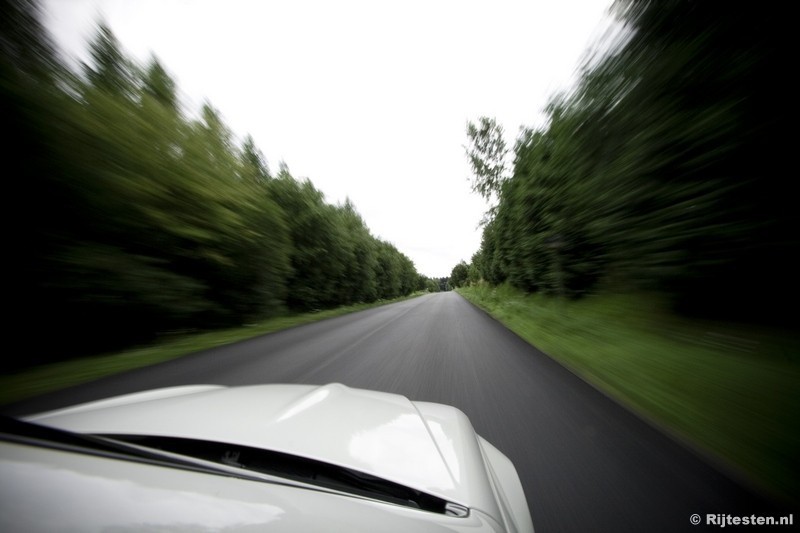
(662, 170)
(50, 377)
(728, 390)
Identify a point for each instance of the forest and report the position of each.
(665, 169)
(138, 218)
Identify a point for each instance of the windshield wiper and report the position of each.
(225, 459)
(292, 467)
(31, 434)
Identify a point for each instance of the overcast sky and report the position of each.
(367, 99)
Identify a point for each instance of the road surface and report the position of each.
(586, 463)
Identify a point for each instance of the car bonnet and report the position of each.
(426, 446)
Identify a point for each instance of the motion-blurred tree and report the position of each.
(254, 162)
(653, 172)
(110, 70)
(158, 84)
(486, 151)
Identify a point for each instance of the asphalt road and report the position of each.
(586, 463)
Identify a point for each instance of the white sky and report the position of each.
(367, 99)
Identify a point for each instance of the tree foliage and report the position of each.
(145, 221)
(459, 275)
(662, 169)
(486, 151)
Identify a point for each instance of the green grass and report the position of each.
(47, 378)
(730, 391)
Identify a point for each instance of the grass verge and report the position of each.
(730, 391)
(47, 378)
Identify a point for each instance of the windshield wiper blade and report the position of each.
(291, 467)
(28, 433)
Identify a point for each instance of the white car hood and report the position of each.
(426, 446)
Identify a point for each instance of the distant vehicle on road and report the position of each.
(271, 457)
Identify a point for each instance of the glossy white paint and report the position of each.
(43, 490)
(430, 447)
(508, 488)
